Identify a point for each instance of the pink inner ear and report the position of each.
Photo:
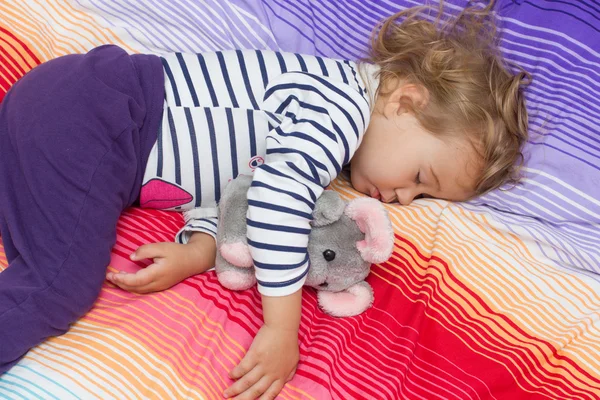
(372, 220)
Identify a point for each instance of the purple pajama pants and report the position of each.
(75, 135)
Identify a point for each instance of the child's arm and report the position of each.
(272, 358)
(173, 262)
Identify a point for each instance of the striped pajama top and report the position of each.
(292, 121)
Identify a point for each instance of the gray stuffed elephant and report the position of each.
(345, 239)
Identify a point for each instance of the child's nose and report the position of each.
(405, 196)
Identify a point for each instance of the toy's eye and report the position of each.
(329, 255)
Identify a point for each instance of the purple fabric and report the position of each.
(75, 135)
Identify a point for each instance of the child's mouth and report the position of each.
(375, 194)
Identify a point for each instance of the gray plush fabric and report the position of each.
(332, 231)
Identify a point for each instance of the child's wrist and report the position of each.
(201, 252)
(283, 313)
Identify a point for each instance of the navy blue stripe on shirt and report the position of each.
(263, 68)
(301, 103)
(283, 284)
(252, 132)
(272, 171)
(232, 143)
(159, 148)
(173, 132)
(291, 194)
(273, 117)
(322, 65)
(309, 88)
(281, 62)
(336, 90)
(172, 81)
(215, 154)
(274, 267)
(342, 73)
(246, 79)
(331, 87)
(194, 144)
(273, 207)
(311, 139)
(302, 62)
(188, 79)
(211, 89)
(303, 174)
(310, 162)
(278, 228)
(226, 78)
(341, 135)
(354, 75)
(268, 246)
(316, 125)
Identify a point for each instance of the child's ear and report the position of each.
(407, 97)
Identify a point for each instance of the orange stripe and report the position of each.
(184, 367)
(106, 334)
(98, 348)
(177, 369)
(44, 26)
(151, 303)
(18, 49)
(34, 36)
(99, 28)
(88, 359)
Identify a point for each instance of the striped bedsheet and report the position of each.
(498, 298)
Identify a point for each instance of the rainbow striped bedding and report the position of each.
(498, 298)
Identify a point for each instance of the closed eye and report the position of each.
(418, 178)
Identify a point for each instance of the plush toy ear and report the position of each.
(372, 220)
(348, 303)
(328, 209)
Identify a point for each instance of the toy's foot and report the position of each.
(352, 301)
(237, 254)
(235, 280)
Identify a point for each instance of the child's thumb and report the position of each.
(151, 250)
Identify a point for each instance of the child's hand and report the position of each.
(172, 263)
(268, 365)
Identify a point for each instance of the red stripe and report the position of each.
(25, 47)
(352, 356)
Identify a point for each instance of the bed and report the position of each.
(497, 298)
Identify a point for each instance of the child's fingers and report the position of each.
(245, 366)
(246, 382)
(151, 250)
(140, 278)
(116, 279)
(272, 391)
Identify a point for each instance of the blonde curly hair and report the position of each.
(470, 88)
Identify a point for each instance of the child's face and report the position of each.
(399, 160)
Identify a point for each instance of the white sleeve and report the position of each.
(323, 124)
(197, 220)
